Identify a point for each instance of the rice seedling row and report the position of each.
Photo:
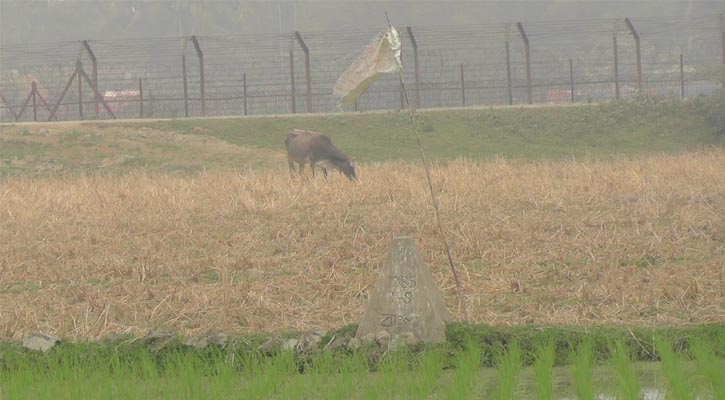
(431, 373)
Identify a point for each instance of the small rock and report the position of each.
(270, 345)
(354, 344)
(290, 344)
(200, 342)
(40, 342)
(309, 341)
(370, 337)
(158, 340)
(382, 338)
(406, 339)
(219, 339)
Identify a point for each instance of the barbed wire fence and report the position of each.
(445, 66)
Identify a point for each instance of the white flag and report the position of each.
(381, 56)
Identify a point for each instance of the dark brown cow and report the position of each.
(316, 149)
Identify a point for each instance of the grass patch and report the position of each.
(708, 365)
(619, 128)
(543, 371)
(129, 369)
(467, 365)
(507, 370)
(678, 382)
(581, 365)
(621, 362)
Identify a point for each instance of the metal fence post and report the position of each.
(33, 90)
(140, 98)
(80, 88)
(202, 80)
(508, 75)
(400, 89)
(722, 29)
(82, 74)
(463, 87)
(682, 77)
(186, 88)
(244, 88)
(635, 35)
(63, 93)
(308, 73)
(10, 108)
(616, 66)
(94, 66)
(527, 51)
(414, 44)
(571, 79)
(25, 105)
(292, 72)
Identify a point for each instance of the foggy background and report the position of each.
(24, 21)
(250, 68)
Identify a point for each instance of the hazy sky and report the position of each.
(60, 20)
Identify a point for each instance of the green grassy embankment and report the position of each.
(620, 128)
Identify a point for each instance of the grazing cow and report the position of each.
(316, 149)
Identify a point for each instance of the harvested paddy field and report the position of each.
(636, 242)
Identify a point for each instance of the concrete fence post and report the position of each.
(616, 66)
(638, 52)
(571, 79)
(94, 76)
(202, 80)
(527, 55)
(463, 87)
(414, 45)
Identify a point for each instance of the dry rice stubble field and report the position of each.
(623, 242)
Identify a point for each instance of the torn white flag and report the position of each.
(381, 56)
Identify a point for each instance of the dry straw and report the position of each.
(625, 242)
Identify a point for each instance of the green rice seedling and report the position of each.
(621, 362)
(266, 375)
(583, 360)
(389, 379)
(508, 367)
(426, 371)
(342, 382)
(315, 375)
(467, 365)
(543, 371)
(679, 387)
(225, 374)
(709, 366)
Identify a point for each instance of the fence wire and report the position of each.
(570, 61)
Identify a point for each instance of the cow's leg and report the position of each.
(291, 165)
(301, 168)
(312, 167)
(324, 172)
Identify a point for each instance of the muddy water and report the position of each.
(652, 383)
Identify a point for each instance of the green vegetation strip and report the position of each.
(618, 128)
(130, 369)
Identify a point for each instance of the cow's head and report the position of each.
(349, 170)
